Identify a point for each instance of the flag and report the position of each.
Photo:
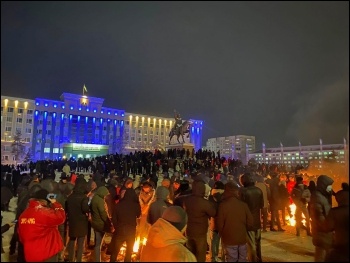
(85, 89)
(321, 141)
(299, 144)
(281, 144)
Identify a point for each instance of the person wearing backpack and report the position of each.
(301, 196)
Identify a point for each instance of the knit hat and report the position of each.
(176, 216)
(41, 194)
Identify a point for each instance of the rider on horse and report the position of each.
(178, 121)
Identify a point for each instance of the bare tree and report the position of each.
(18, 147)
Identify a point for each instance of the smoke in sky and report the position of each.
(325, 115)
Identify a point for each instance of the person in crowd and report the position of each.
(199, 211)
(338, 221)
(157, 208)
(66, 168)
(321, 204)
(124, 217)
(146, 197)
(284, 199)
(38, 228)
(275, 200)
(77, 212)
(260, 183)
(253, 197)
(290, 185)
(301, 195)
(35, 180)
(215, 197)
(166, 240)
(5, 228)
(312, 188)
(174, 188)
(21, 206)
(233, 210)
(100, 221)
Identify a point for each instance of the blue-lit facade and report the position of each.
(76, 119)
(80, 126)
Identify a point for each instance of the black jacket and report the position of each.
(125, 213)
(253, 197)
(77, 209)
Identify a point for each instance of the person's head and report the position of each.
(64, 177)
(129, 183)
(147, 187)
(231, 189)
(41, 196)
(166, 183)
(299, 180)
(176, 216)
(177, 184)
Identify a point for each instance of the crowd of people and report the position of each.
(176, 203)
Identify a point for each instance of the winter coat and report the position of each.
(237, 213)
(126, 211)
(338, 221)
(38, 230)
(198, 210)
(157, 208)
(254, 198)
(215, 198)
(166, 243)
(264, 188)
(77, 211)
(320, 206)
(99, 210)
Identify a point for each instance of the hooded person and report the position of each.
(157, 208)
(124, 217)
(38, 228)
(321, 204)
(166, 241)
(254, 198)
(199, 211)
(99, 218)
(77, 212)
(338, 221)
(234, 234)
(215, 197)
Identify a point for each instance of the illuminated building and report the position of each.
(80, 126)
(16, 115)
(234, 147)
(302, 155)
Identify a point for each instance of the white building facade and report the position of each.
(234, 147)
(301, 155)
(16, 115)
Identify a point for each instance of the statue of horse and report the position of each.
(183, 129)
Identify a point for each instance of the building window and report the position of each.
(8, 129)
(9, 119)
(27, 139)
(19, 120)
(9, 109)
(29, 121)
(6, 157)
(29, 111)
(20, 110)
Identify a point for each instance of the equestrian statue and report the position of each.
(180, 128)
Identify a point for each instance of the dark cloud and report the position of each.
(255, 68)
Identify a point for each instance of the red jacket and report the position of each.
(38, 230)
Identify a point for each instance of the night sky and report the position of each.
(275, 70)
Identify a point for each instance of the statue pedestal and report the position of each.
(180, 146)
